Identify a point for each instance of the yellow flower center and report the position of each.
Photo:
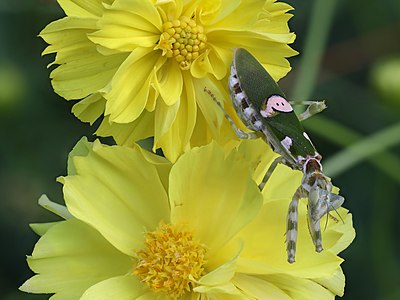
(182, 39)
(169, 259)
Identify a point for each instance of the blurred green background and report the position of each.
(350, 56)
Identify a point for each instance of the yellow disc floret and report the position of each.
(182, 39)
(170, 260)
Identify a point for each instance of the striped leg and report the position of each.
(240, 133)
(315, 231)
(291, 227)
(320, 203)
(317, 207)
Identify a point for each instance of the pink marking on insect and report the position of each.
(275, 104)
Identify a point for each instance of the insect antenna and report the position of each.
(235, 128)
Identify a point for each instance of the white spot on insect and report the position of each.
(292, 216)
(249, 111)
(240, 96)
(287, 142)
(233, 81)
(275, 104)
(258, 125)
(306, 136)
(291, 235)
(233, 69)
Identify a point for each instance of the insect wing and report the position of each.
(283, 126)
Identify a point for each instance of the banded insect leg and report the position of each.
(317, 207)
(320, 203)
(239, 132)
(291, 225)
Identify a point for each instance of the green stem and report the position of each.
(370, 148)
(317, 33)
(364, 149)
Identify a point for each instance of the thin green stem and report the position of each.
(363, 149)
(317, 33)
(371, 148)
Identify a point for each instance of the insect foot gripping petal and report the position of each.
(291, 225)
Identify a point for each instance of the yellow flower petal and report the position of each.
(130, 86)
(265, 250)
(200, 179)
(283, 183)
(90, 108)
(83, 8)
(222, 274)
(230, 14)
(257, 288)
(341, 233)
(41, 228)
(208, 62)
(68, 37)
(175, 124)
(57, 209)
(261, 155)
(71, 257)
(124, 30)
(127, 134)
(334, 282)
(122, 288)
(269, 48)
(208, 107)
(84, 76)
(169, 82)
(117, 199)
(299, 288)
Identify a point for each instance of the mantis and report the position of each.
(263, 108)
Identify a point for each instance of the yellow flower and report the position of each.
(143, 64)
(142, 228)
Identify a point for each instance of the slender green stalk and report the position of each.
(364, 149)
(317, 33)
(374, 151)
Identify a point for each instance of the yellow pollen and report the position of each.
(169, 259)
(182, 39)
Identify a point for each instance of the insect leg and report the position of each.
(269, 171)
(291, 225)
(313, 108)
(317, 208)
(239, 132)
(320, 203)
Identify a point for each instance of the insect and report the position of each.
(263, 108)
